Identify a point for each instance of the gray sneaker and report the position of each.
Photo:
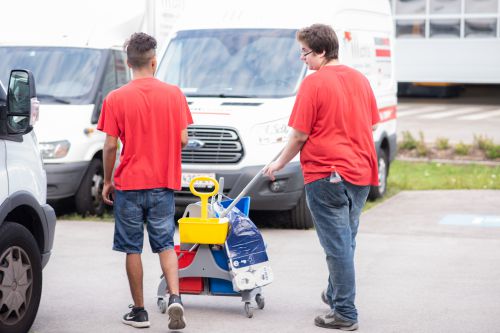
(333, 320)
(175, 310)
(324, 298)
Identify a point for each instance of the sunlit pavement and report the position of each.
(427, 261)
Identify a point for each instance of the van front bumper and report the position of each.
(63, 179)
(282, 194)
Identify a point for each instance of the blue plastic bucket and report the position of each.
(243, 205)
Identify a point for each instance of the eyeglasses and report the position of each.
(305, 53)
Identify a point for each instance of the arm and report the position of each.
(184, 138)
(292, 148)
(109, 158)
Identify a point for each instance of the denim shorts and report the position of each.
(133, 209)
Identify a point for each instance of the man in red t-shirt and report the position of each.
(332, 122)
(150, 118)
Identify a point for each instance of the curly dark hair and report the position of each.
(320, 37)
(140, 48)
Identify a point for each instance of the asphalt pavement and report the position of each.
(427, 261)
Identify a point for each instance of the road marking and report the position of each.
(472, 220)
(424, 109)
(482, 115)
(446, 114)
(402, 107)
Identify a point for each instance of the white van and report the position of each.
(72, 81)
(239, 66)
(27, 223)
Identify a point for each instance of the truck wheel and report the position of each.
(20, 278)
(300, 216)
(383, 170)
(88, 199)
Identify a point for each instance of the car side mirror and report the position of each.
(22, 104)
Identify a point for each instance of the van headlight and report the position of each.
(272, 132)
(56, 149)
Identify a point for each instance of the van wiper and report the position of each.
(53, 98)
(220, 95)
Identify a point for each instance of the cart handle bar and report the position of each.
(249, 186)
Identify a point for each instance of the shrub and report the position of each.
(483, 142)
(493, 152)
(442, 143)
(462, 148)
(408, 142)
(422, 149)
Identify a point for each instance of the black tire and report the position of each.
(88, 199)
(377, 192)
(300, 216)
(18, 302)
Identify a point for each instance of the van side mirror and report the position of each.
(22, 104)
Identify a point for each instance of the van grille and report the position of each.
(216, 145)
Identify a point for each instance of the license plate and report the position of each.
(188, 176)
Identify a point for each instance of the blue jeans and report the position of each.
(132, 209)
(335, 209)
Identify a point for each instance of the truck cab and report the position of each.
(72, 82)
(240, 70)
(27, 223)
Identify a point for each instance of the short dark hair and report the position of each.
(320, 37)
(140, 48)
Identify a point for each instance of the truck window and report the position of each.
(122, 70)
(63, 74)
(109, 82)
(225, 62)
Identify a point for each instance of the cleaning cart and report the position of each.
(204, 265)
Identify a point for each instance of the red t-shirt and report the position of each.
(336, 107)
(148, 116)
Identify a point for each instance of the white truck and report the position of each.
(27, 223)
(76, 67)
(239, 66)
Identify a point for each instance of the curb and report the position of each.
(457, 162)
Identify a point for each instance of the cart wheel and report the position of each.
(248, 310)
(162, 305)
(260, 301)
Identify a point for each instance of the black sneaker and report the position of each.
(138, 317)
(333, 320)
(176, 320)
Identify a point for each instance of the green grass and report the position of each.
(437, 176)
(408, 176)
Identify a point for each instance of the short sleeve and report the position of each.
(107, 121)
(305, 109)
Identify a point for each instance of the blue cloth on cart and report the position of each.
(244, 243)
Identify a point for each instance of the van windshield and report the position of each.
(63, 74)
(234, 63)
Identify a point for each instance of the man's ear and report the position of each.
(128, 64)
(154, 63)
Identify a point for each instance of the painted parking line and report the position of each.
(471, 220)
(419, 110)
(482, 115)
(451, 113)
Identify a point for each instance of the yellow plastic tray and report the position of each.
(198, 231)
(203, 230)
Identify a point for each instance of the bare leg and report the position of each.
(134, 273)
(168, 262)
